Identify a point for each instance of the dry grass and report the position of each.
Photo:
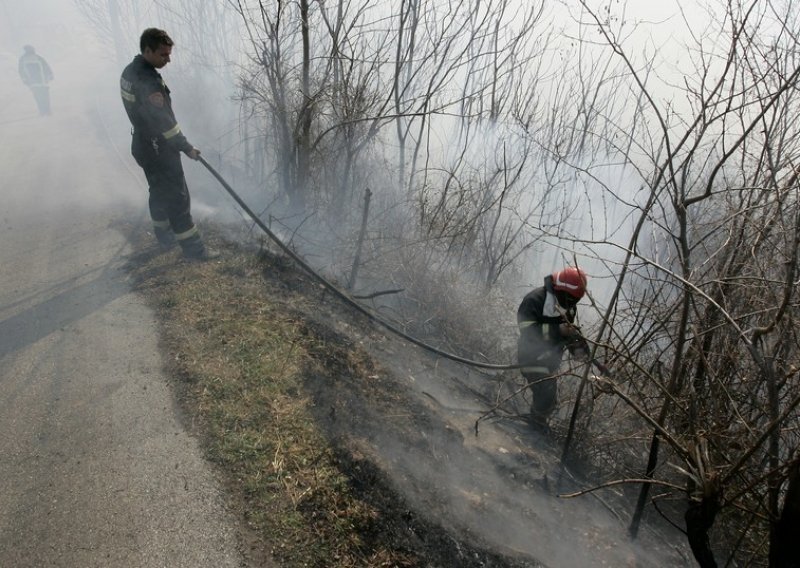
(242, 361)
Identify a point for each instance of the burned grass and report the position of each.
(278, 398)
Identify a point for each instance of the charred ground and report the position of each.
(341, 446)
(298, 461)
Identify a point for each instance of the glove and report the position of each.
(579, 349)
(569, 331)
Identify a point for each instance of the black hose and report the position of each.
(343, 296)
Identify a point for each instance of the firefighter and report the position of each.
(157, 145)
(545, 318)
(36, 74)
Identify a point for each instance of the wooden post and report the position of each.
(357, 259)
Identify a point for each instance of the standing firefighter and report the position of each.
(545, 319)
(157, 145)
(36, 74)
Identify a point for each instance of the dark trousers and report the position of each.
(541, 362)
(545, 393)
(169, 194)
(170, 204)
(42, 95)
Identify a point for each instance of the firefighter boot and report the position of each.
(195, 250)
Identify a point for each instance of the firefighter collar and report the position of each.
(551, 308)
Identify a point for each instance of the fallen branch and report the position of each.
(376, 294)
(620, 482)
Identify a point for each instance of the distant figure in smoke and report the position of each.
(36, 73)
(157, 145)
(545, 319)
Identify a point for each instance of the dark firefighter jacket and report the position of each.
(541, 343)
(34, 70)
(156, 133)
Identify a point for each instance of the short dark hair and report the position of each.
(154, 38)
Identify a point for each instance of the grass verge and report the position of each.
(242, 358)
(283, 403)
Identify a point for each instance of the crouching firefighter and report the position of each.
(157, 145)
(545, 318)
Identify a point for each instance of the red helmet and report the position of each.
(570, 280)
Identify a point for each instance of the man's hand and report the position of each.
(569, 331)
(575, 342)
(194, 154)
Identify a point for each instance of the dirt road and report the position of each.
(96, 468)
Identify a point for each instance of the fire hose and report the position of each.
(339, 293)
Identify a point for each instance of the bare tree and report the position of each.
(702, 314)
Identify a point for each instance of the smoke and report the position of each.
(474, 485)
(502, 484)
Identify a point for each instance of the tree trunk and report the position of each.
(699, 519)
(304, 139)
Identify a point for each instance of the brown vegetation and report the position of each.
(255, 365)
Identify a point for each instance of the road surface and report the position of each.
(96, 468)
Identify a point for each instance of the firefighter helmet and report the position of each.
(571, 280)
